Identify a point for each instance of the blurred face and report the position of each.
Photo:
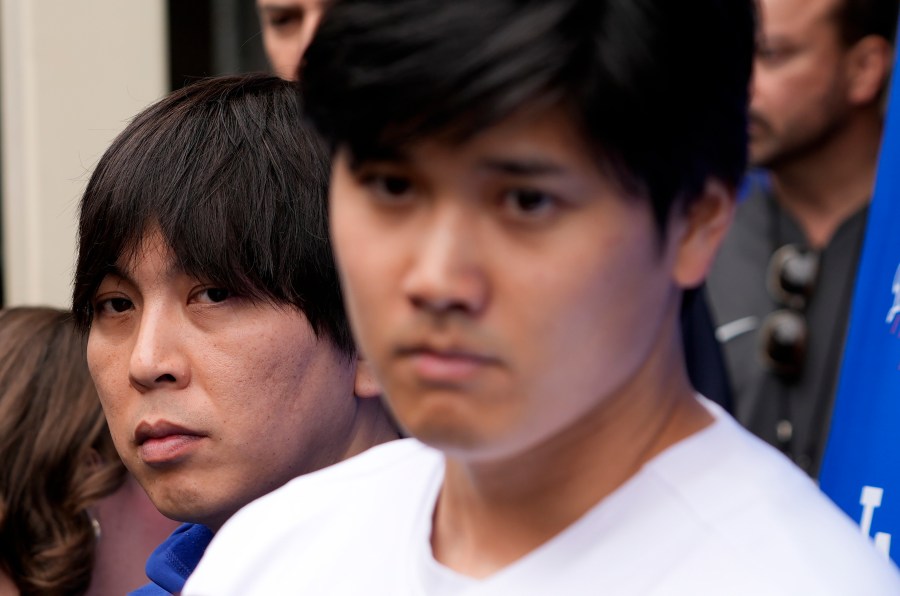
(287, 28)
(502, 289)
(799, 86)
(212, 400)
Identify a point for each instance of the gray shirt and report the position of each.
(740, 302)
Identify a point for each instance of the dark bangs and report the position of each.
(237, 186)
(659, 88)
(381, 75)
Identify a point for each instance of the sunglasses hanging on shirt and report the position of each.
(784, 334)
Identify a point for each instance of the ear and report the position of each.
(92, 458)
(365, 385)
(700, 232)
(868, 69)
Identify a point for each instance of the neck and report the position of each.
(372, 426)
(822, 189)
(491, 514)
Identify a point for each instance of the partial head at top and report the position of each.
(287, 27)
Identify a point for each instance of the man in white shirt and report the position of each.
(521, 192)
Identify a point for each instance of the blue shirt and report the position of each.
(174, 560)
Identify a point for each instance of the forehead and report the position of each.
(546, 138)
(798, 19)
(150, 254)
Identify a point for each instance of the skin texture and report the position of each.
(259, 398)
(287, 28)
(520, 312)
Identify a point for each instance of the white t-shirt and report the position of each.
(719, 513)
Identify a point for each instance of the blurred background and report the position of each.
(72, 73)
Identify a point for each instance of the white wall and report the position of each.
(73, 73)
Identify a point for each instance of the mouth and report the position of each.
(163, 443)
(446, 366)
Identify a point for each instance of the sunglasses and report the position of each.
(784, 333)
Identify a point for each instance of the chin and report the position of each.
(186, 505)
(762, 156)
(211, 517)
(466, 442)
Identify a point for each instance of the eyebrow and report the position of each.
(522, 166)
(112, 271)
(513, 166)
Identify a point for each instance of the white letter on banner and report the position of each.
(895, 290)
(870, 499)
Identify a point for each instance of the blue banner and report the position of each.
(861, 469)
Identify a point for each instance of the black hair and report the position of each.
(658, 87)
(860, 18)
(237, 186)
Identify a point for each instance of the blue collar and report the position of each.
(174, 560)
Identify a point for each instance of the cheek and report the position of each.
(598, 305)
(366, 257)
(272, 45)
(108, 366)
(301, 403)
(798, 87)
(279, 362)
(115, 399)
(771, 91)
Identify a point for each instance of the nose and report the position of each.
(447, 272)
(757, 79)
(158, 357)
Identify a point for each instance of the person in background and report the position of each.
(521, 193)
(782, 284)
(72, 520)
(287, 28)
(217, 337)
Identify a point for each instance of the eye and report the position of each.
(395, 185)
(112, 306)
(213, 295)
(772, 54)
(529, 202)
(388, 187)
(280, 19)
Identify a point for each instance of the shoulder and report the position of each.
(754, 510)
(310, 521)
(381, 469)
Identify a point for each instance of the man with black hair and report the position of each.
(782, 284)
(521, 191)
(217, 336)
